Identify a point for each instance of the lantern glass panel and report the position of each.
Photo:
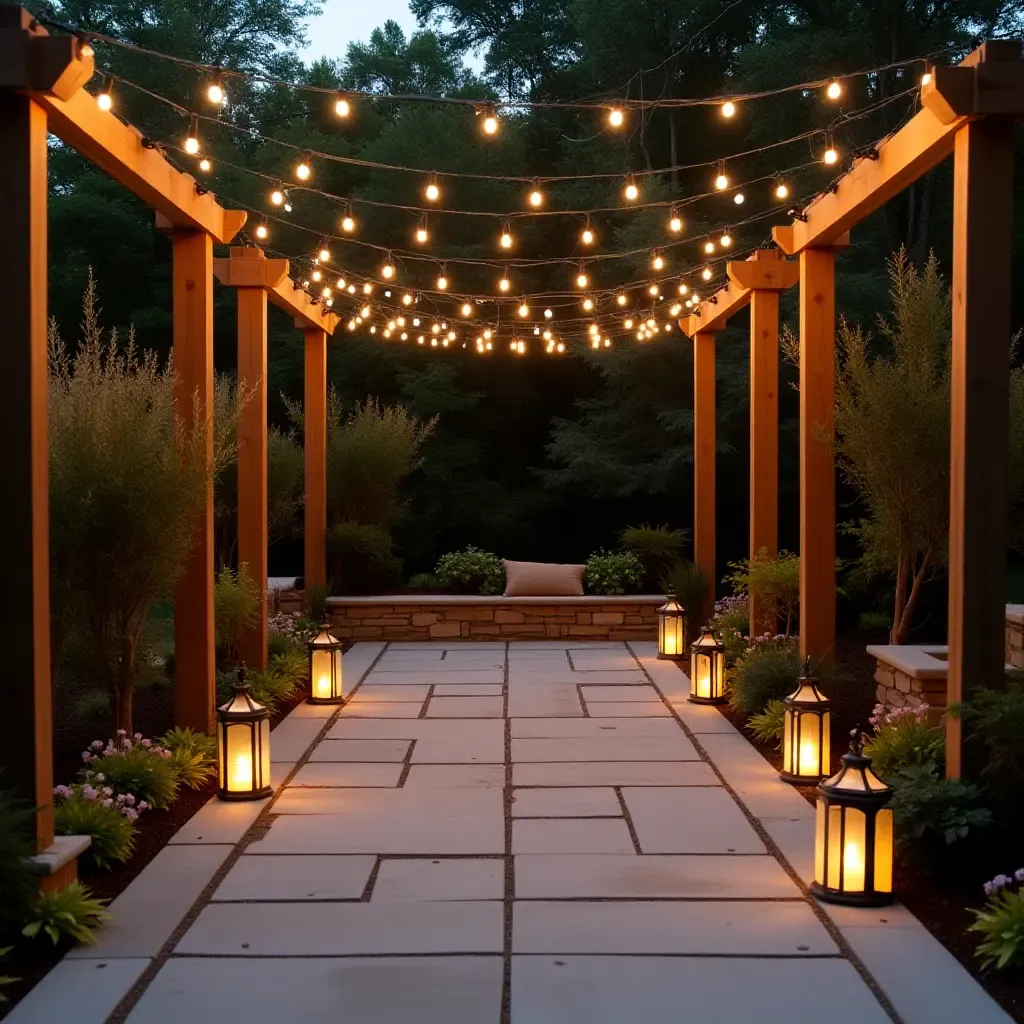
(321, 672)
(702, 665)
(672, 636)
(806, 748)
(264, 779)
(883, 850)
(337, 672)
(239, 757)
(819, 842)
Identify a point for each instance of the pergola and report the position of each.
(970, 111)
(41, 92)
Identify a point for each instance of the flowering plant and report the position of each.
(131, 764)
(904, 738)
(1001, 922)
(93, 809)
(731, 625)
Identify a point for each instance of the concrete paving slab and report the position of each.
(360, 750)
(599, 802)
(219, 821)
(291, 739)
(84, 991)
(518, 676)
(467, 690)
(605, 747)
(379, 692)
(576, 835)
(416, 729)
(489, 776)
(344, 929)
(715, 928)
(556, 700)
(697, 990)
(146, 913)
(428, 879)
(631, 709)
(296, 878)
(636, 692)
(384, 990)
(689, 820)
(384, 709)
(346, 773)
(465, 707)
(523, 728)
(611, 876)
(438, 675)
(795, 840)
(307, 710)
(470, 750)
(614, 773)
(701, 719)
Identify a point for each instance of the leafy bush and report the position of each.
(192, 756)
(108, 820)
(994, 725)
(657, 547)
(768, 671)
(133, 765)
(181, 740)
(72, 913)
(613, 572)
(236, 605)
(425, 581)
(927, 806)
(268, 688)
(690, 585)
(732, 627)
(904, 739)
(4, 978)
(17, 885)
(316, 603)
(1001, 923)
(93, 707)
(874, 622)
(471, 571)
(772, 582)
(768, 726)
(362, 559)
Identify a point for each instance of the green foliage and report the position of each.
(613, 572)
(141, 771)
(731, 624)
(127, 477)
(17, 884)
(874, 622)
(425, 581)
(192, 755)
(993, 726)
(768, 726)
(291, 665)
(236, 603)
(284, 643)
(927, 807)
(768, 671)
(471, 571)
(285, 671)
(93, 707)
(772, 582)
(657, 547)
(689, 583)
(362, 559)
(112, 834)
(904, 738)
(185, 740)
(6, 979)
(72, 913)
(1001, 926)
(316, 604)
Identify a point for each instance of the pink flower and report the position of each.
(62, 792)
(147, 743)
(96, 744)
(88, 792)
(107, 803)
(143, 806)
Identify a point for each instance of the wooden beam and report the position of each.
(248, 267)
(31, 60)
(24, 515)
(979, 442)
(290, 296)
(194, 667)
(315, 441)
(252, 463)
(817, 461)
(704, 460)
(764, 438)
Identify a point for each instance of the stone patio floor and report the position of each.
(492, 833)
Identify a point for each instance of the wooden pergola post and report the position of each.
(315, 440)
(704, 459)
(194, 655)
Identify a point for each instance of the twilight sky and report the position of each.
(345, 21)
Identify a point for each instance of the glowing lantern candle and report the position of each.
(325, 669)
(854, 836)
(806, 749)
(707, 670)
(671, 632)
(243, 746)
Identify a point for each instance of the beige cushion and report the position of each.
(543, 579)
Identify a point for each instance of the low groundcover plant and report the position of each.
(1001, 922)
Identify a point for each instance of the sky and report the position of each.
(346, 21)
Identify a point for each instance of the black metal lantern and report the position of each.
(671, 630)
(325, 669)
(854, 837)
(707, 669)
(243, 746)
(806, 734)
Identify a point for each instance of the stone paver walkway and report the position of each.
(523, 833)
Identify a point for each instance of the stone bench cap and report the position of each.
(497, 599)
(1015, 614)
(915, 660)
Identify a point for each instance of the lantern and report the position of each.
(671, 632)
(853, 838)
(325, 669)
(806, 733)
(707, 670)
(243, 746)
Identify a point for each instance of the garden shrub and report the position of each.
(268, 688)
(471, 571)
(316, 602)
(17, 884)
(689, 583)
(72, 913)
(362, 559)
(97, 812)
(657, 547)
(769, 726)
(731, 624)
(192, 755)
(927, 807)
(904, 738)
(874, 622)
(236, 607)
(994, 727)
(93, 707)
(768, 671)
(425, 581)
(132, 765)
(613, 572)
(6, 979)
(1000, 923)
(773, 583)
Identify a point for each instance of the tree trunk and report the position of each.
(122, 696)
(915, 590)
(899, 602)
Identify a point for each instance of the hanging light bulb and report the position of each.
(739, 199)
(341, 105)
(348, 222)
(303, 170)
(536, 197)
(105, 97)
(490, 119)
(781, 189)
(926, 78)
(582, 280)
(682, 288)
(326, 291)
(505, 241)
(616, 117)
(367, 287)
(215, 90)
(834, 90)
(588, 304)
(652, 290)
(628, 324)
(324, 255)
(387, 271)
(706, 273)
(621, 298)
(831, 154)
(406, 299)
(709, 247)
(433, 190)
(631, 192)
(287, 204)
(722, 179)
(726, 240)
(467, 309)
(658, 261)
(340, 284)
(548, 314)
(205, 164)
(504, 284)
(277, 196)
(422, 232)
(261, 230)
(524, 310)
(675, 309)
(728, 108)
(316, 275)
(192, 139)
(675, 222)
(587, 236)
(442, 281)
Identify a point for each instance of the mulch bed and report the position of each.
(943, 903)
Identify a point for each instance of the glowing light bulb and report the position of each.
(326, 291)
(340, 283)
(616, 117)
(506, 237)
(215, 90)
(105, 99)
(277, 196)
(205, 165)
(490, 121)
(432, 191)
(422, 234)
(341, 106)
(442, 283)
(588, 303)
(926, 78)
(524, 310)
(834, 90)
(325, 255)
(303, 171)
(781, 190)
(536, 197)
(658, 262)
(548, 314)
(261, 231)
(728, 108)
(682, 288)
(631, 192)
(364, 312)
(722, 179)
(831, 154)
(467, 309)
(628, 324)
(675, 309)
(652, 290)
(725, 241)
(709, 246)
(582, 280)
(675, 223)
(316, 275)
(739, 199)
(706, 273)
(192, 139)
(621, 299)
(85, 51)
(504, 284)
(387, 271)
(587, 235)
(406, 299)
